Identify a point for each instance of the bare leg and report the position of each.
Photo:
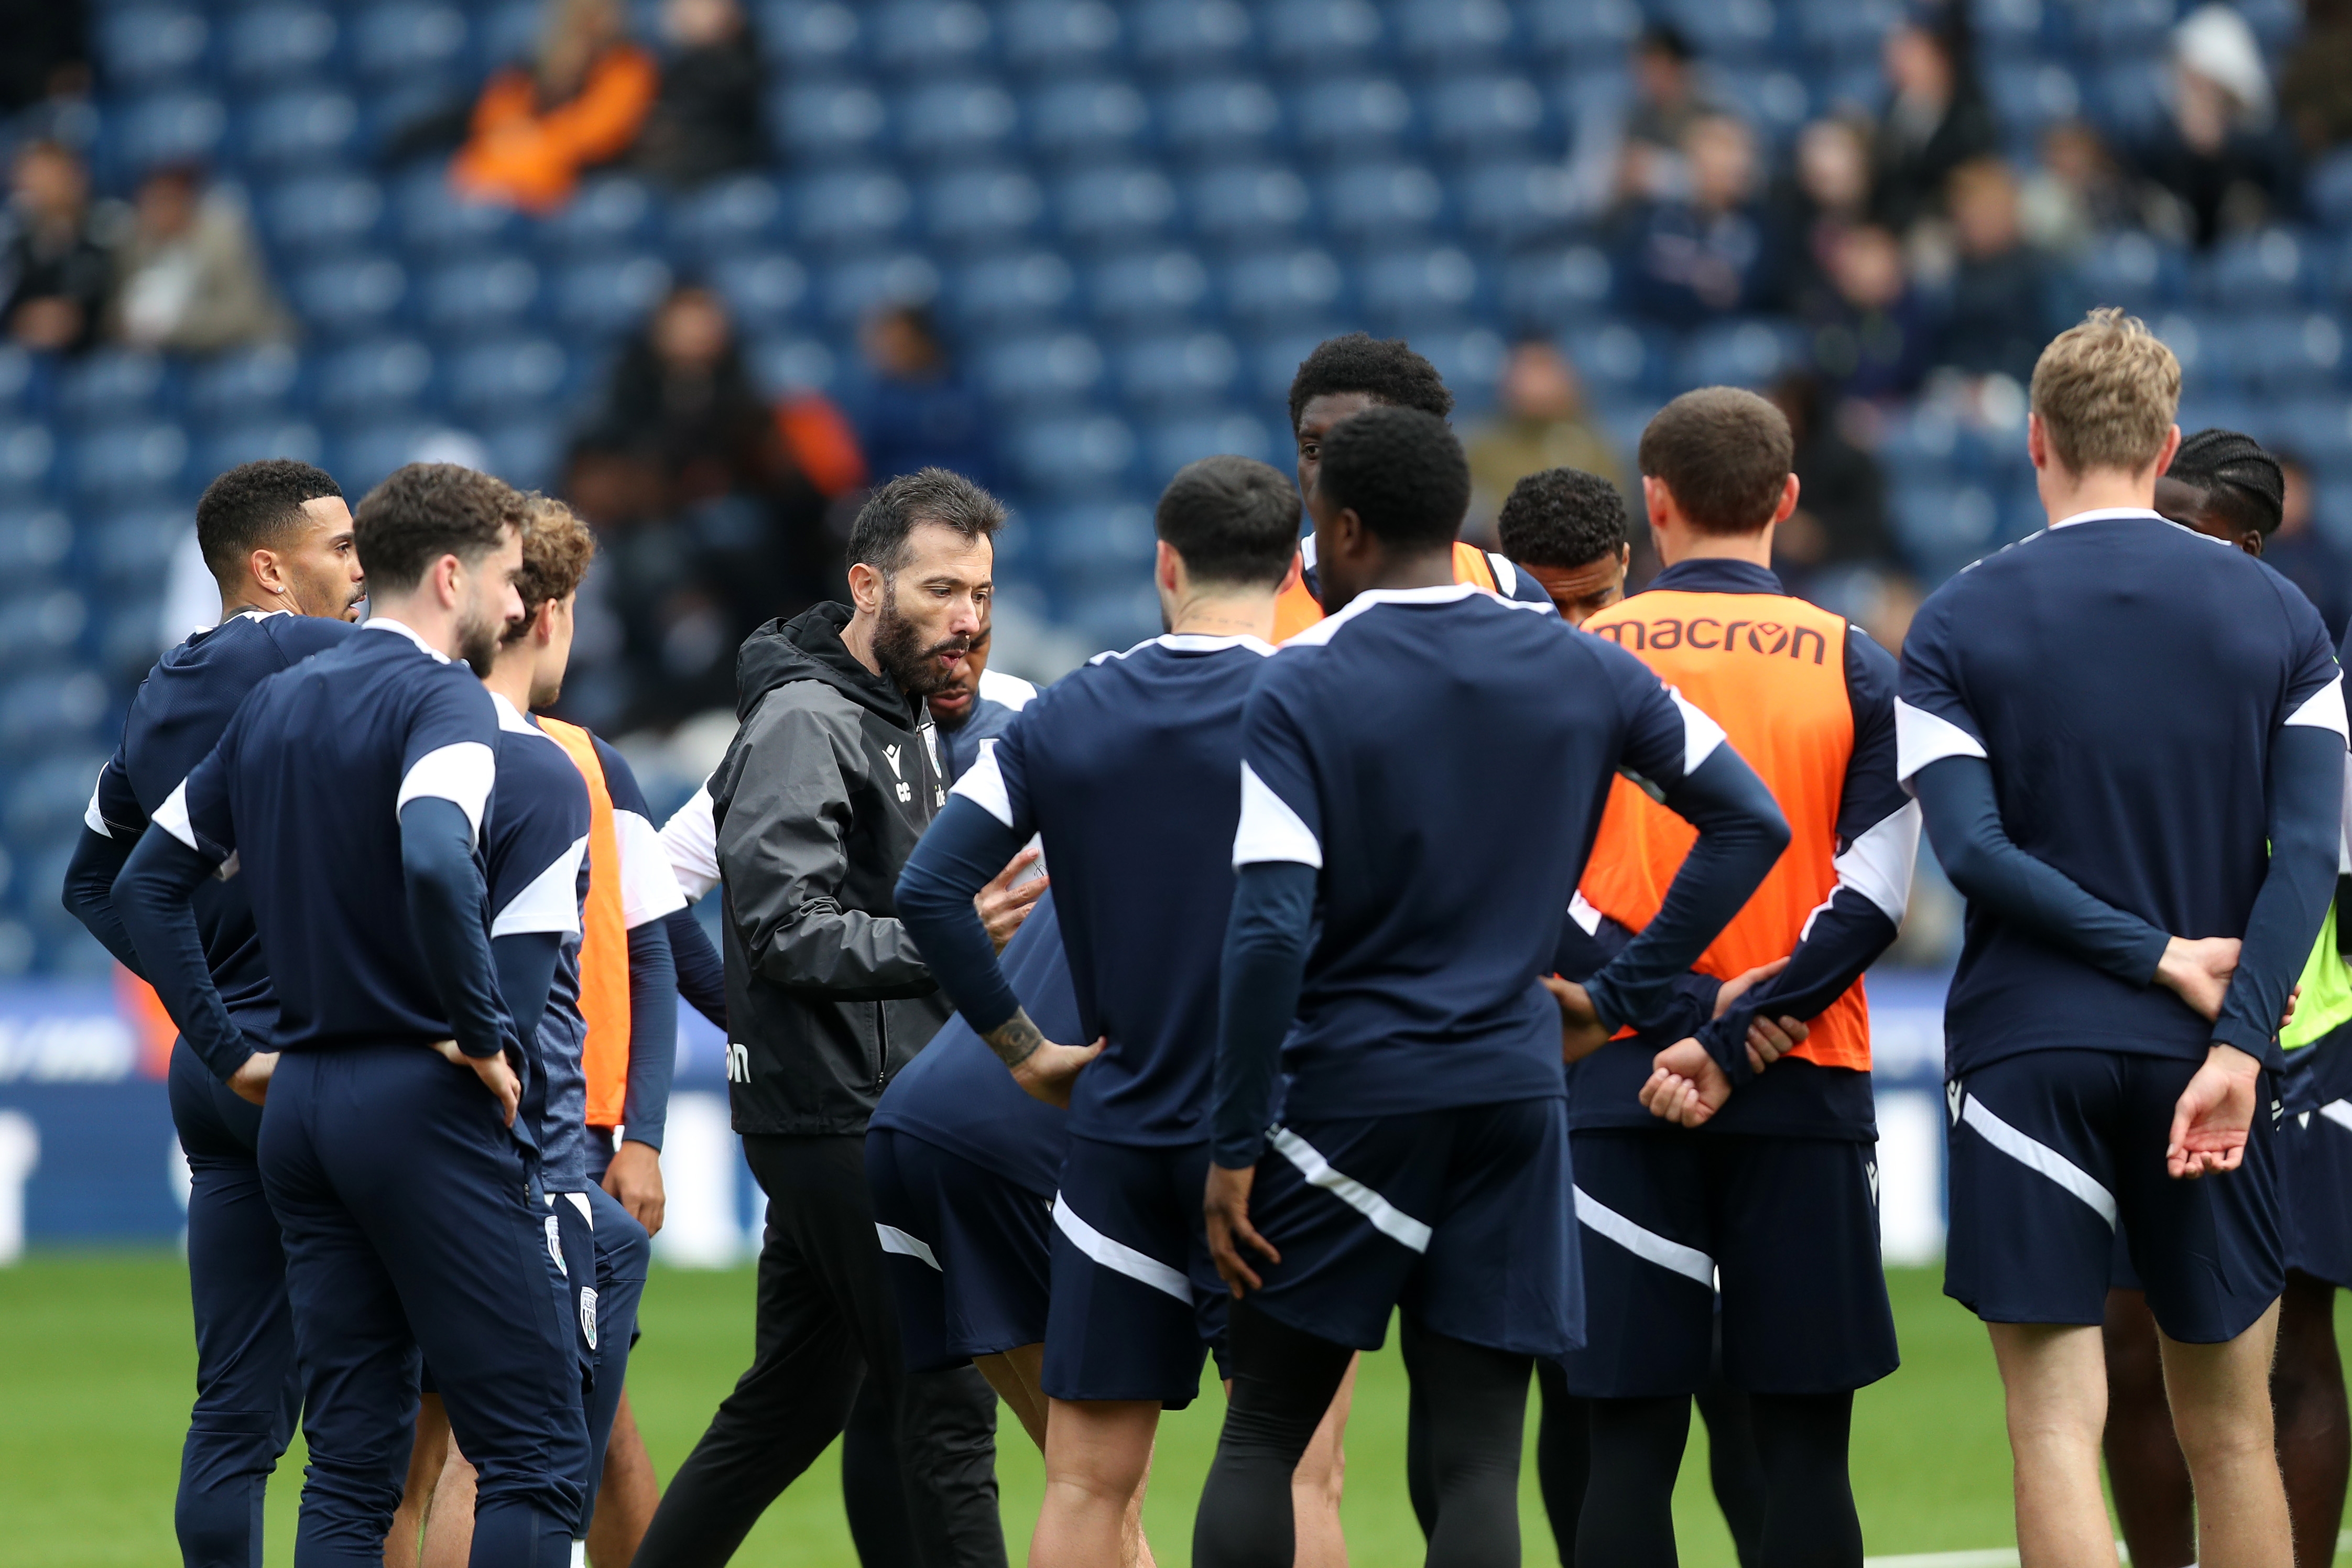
(2222, 1408)
(2315, 1430)
(404, 1547)
(2150, 1478)
(2054, 1376)
(626, 1496)
(1015, 1376)
(449, 1528)
(1097, 1453)
(1321, 1478)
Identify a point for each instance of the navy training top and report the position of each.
(305, 790)
(1125, 768)
(2124, 680)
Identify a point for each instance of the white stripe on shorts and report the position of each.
(1387, 1218)
(2340, 1111)
(1120, 1258)
(905, 1245)
(1646, 1245)
(2035, 1155)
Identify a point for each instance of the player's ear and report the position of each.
(865, 585)
(264, 568)
(1788, 506)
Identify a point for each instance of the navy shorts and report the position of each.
(1460, 1217)
(1137, 1300)
(2055, 1153)
(964, 1250)
(1789, 1227)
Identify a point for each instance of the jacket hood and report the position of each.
(808, 647)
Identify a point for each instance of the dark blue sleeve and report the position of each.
(97, 861)
(445, 907)
(964, 848)
(2307, 828)
(1257, 995)
(1963, 819)
(153, 896)
(653, 1033)
(701, 974)
(526, 965)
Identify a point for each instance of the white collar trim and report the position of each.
(2111, 514)
(386, 624)
(510, 718)
(1189, 642)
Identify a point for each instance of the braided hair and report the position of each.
(2242, 481)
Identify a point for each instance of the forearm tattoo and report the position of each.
(1015, 1040)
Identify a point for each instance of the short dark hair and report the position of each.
(1385, 369)
(1402, 470)
(252, 507)
(878, 537)
(1725, 453)
(426, 510)
(2245, 484)
(1564, 518)
(1234, 521)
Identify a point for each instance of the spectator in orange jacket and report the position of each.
(581, 103)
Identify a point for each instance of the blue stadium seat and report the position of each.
(313, 213)
(1091, 118)
(239, 384)
(609, 295)
(817, 120)
(507, 34)
(1177, 368)
(982, 206)
(2128, 98)
(927, 36)
(1173, 441)
(470, 298)
(279, 43)
(2028, 95)
(1219, 115)
(388, 375)
(1778, 102)
(999, 291)
(132, 459)
(1484, 115)
(1088, 537)
(20, 376)
(1248, 201)
(33, 543)
(1845, 30)
(1583, 32)
(854, 289)
(2006, 28)
(496, 378)
(612, 211)
(1058, 35)
(2330, 189)
(1061, 369)
(1379, 201)
(2315, 429)
(852, 206)
(1321, 35)
(783, 365)
(432, 221)
(28, 454)
(1113, 203)
(1075, 454)
(1183, 37)
(299, 129)
(109, 385)
(2282, 354)
(1447, 35)
(226, 447)
(1942, 528)
(2273, 266)
(1507, 201)
(146, 45)
(741, 213)
(165, 127)
(1352, 113)
(1726, 30)
(766, 292)
(363, 454)
(2115, 28)
(43, 714)
(1147, 286)
(1434, 283)
(808, 37)
(1738, 353)
(1277, 287)
(2134, 271)
(350, 296)
(968, 119)
(527, 454)
(44, 623)
(49, 798)
(1617, 359)
(408, 38)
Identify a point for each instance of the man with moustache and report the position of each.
(831, 778)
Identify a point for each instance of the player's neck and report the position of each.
(1683, 542)
(1225, 615)
(2065, 495)
(434, 624)
(510, 673)
(256, 599)
(1423, 569)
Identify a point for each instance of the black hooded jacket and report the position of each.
(830, 780)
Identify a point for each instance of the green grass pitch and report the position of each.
(96, 1364)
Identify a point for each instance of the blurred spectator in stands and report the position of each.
(1713, 253)
(2076, 194)
(1841, 521)
(1935, 121)
(706, 120)
(189, 276)
(1828, 193)
(578, 105)
(2305, 556)
(914, 409)
(58, 261)
(2221, 152)
(2315, 87)
(1876, 337)
(1997, 316)
(47, 53)
(1632, 155)
(1541, 425)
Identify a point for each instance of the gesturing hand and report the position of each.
(1227, 1203)
(251, 1082)
(2215, 1115)
(497, 1076)
(2198, 971)
(1002, 907)
(1581, 1032)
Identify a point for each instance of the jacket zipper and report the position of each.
(881, 1044)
